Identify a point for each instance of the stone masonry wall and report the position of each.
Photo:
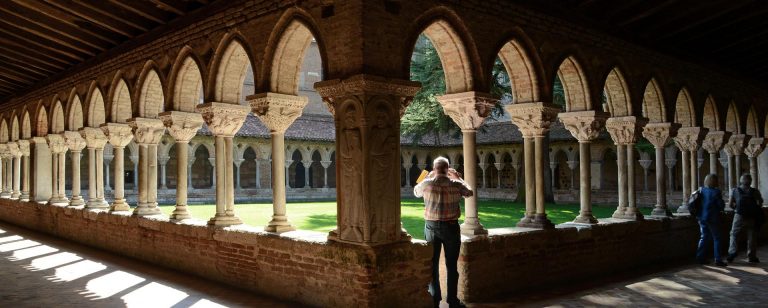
(313, 272)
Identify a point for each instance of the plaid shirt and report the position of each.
(441, 197)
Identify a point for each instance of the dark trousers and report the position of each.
(444, 234)
(748, 225)
(710, 231)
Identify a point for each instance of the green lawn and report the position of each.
(321, 216)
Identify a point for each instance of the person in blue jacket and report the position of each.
(709, 219)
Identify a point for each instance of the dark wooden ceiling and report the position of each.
(40, 38)
(729, 35)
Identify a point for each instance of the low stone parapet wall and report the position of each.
(297, 266)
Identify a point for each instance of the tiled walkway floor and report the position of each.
(41, 271)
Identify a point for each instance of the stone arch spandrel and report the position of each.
(523, 76)
(151, 98)
(617, 94)
(96, 108)
(14, 127)
(577, 97)
(26, 126)
(752, 123)
(732, 119)
(711, 118)
(121, 107)
(41, 124)
(288, 58)
(653, 103)
(75, 114)
(57, 118)
(453, 56)
(230, 70)
(4, 134)
(685, 114)
(187, 84)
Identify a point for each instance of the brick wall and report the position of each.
(312, 272)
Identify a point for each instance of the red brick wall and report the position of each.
(316, 273)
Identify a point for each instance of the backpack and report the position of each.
(694, 203)
(746, 205)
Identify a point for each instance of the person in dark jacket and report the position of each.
(749, 216)
(709, 219)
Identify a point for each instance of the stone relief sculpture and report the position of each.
(351, 186)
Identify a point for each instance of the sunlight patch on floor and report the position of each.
(204, 303)
(10, 238)
(154, 295)
(48, 262)
(17, 245)
(110, 284)
(76, 270)
(31, 252)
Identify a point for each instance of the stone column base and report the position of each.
(683, 209)
(5, 195)
(24, 196)
(76, 201)
(224, 220)
(279, 224)
(630, 215)
(661, 213)
(97, 204)
(180, 213)
(473, 229)
(119, 205)
(585, 219)
(539, 221)
(146, 210)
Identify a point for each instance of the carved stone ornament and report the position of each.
(182, 126)
(147, 131)
(94, 137)
(223, 119)
(74, 141)
(23, 147)
(689, 138)
(584, 125)
(56, 143)
(735, 144)
(4, 152)
(332, 90)
(468, 109)
(714, 141)
(13, 149)
(533, 119)
(659, 134)
(754, 147)
(277, 111)
(624, 130)
(118, 134)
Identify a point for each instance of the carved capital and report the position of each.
(182, 126)
(13, 149)
(118, 134)
(223, 119)
(714, 141)
(277, 111)
(56, 143)
(361, 85)
(658, 134)
(533, 119)
(23, 147)
(147, 131)
(689, 138)
(624, 130)
(4, 151)
(468, 109)
(585, 126)
(735, 145)
(94, 137)
(74, 141)
(754, 147)
(327, 164)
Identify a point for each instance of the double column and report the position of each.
(733, 150)
(5, 173)
(76, 144)
(118, 135)
(367, 111)
(15, 156)
(688, 140)
(95, 140)
(585, 126)
(182, 126)
(753, 149)
(659, 134)
(24, 169)
(147, 133)
(713, 143)
(534, 120)
(58, 146)
(624, 132)
(468, 110)
(224, 120)
(278, 112)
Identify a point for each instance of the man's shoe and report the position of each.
(721, 263)
(458, 304)
(731, 257)
(754, 260)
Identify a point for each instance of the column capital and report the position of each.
(624, 130)
(74, 141)
(689, 138)
(182, 126)
(735, 145)
(4, 151)
(238, 162)
(572, 164)
(585, 126)
(499, 166)
(325, 163)
(754, 147)
(468, 109)
(362, 85)
(277, 111)
(57, 143)
(94, 137)
(23, 147)
(163, 159)
(533, 119)
(118, 134)
(223, 119)
(659, 134)
(715, 140)
(146, 130)
(13, 149)
(645, 163)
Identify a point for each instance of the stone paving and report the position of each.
(42, 271)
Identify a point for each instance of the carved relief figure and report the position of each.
(383, 150)
(351, 187)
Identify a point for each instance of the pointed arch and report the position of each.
(26, 126)
(289, 57)
(732, 120)
(14, 127)
(74, 113)
(120, 108)
(522, 73)
(96, 109)
(150, 96)
(684, 112)
(617, 94)
(453, 55)
(233, 65)
(187, 82)
(41, 124)
(57, 118)
(653, 103)
(752, 123)
(575, 88)
(4, 131)
(711, 119)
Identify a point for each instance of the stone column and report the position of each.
(182, 126)
(624, 132)
(278, 112)
(469, 110)
(572, 165)
(238, 162)
(212, 160)
(107, 162)
(118, 135)
(499, 167)
(163, 160)
(76, 144)
(224, 120)
(367, 111)
(95, 140)
(534, 120)
(483, 167)
(189, 171)
(585, 126)
(135, 160)
(58, 147)
(552, 167)
(645, 163)
(41, 176)
(147, 133)
(689, 138)
(753, 149)
(25, 151)
(407, 166)
(712, 143)
(307, 164)
(4, 178)
(13, 149)
(733, 149)
(659, 134)
(327, 164)
(685, 170)
(258, 172)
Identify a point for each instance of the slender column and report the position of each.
(238, 162)
(307, 164)
(41, 174)
(585, 126)
(107, 163)
(624, 132)
(148, 133)
(25, 151)
(530, 181)
(658, 134)
(118, 135)
(483, 166)
(689, 139)
(224, 120)
(189, 171)
(278, 112)
(468, 110)
(95, 140)
(287, 173)
(213, 161)
(631, 212)
(499, 167)
(753, 149)
(621, 153)
(76, 144)
(734, 148)
(572, 165)
(14, 163)
(258, 173)
(327, 164)
(58, 149)
(135, 161)
(685, 160)
(182, 126)
(163, 162)
(713, 143)
(5, 156)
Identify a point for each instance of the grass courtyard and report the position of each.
(321, 215)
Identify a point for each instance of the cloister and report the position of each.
(211, 106)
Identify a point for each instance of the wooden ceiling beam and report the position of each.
(176, 7)
(116, 13)
(24, 41)
(9, 79)
(35, 29)
(699, 17)
(145, 10)
(60, 20)
(33, 60)
(16, 76)
(757, 9)
(21, 66)
(95, 18)
(646, 13)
